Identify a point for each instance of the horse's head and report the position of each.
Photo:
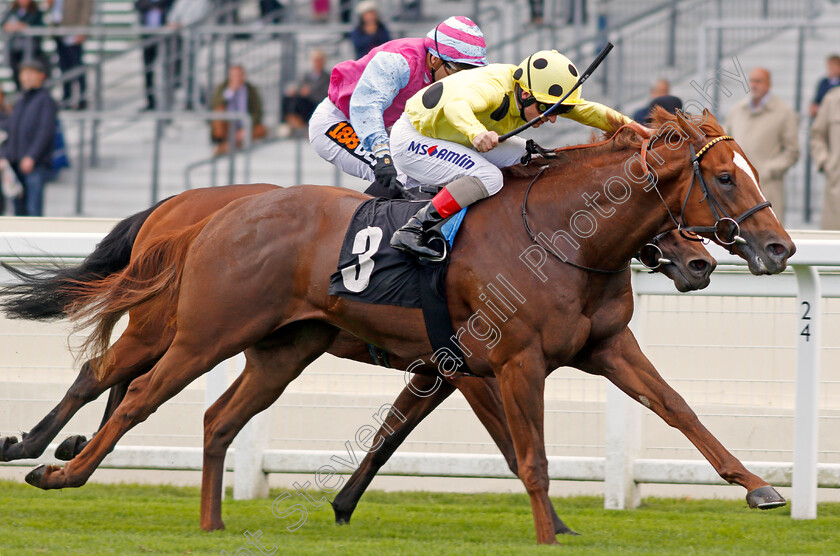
(684, 261)
(723, 201)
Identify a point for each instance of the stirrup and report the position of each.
(442, 257)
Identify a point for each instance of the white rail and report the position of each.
(814, 277)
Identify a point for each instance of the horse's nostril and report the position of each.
(698, 265)
(776, 249)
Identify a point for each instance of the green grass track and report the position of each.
(132, 519)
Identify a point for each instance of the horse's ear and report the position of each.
(688, 125)
(709, 118)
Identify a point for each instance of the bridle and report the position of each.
(731, 234)
(726, 229)
(651, 255)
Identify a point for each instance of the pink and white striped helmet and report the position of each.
(458, 40)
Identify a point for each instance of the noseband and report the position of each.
(725, 225)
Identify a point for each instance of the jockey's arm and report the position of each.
(596, 115)
(385, 75)
(460, 111)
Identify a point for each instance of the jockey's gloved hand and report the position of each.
(385, 172)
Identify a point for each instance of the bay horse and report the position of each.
(40, 296)
(255, 276)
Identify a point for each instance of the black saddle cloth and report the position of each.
(371, 271)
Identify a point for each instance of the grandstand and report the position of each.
(126, 159)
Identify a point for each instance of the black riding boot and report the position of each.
(411, 238)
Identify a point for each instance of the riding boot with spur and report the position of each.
(411, 238)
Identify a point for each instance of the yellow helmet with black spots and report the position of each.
(547, 75)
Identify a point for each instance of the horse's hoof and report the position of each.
(35, 476)
(765, 498)
(5, 443)
(69, 449)
(214, 526)
(342, 517)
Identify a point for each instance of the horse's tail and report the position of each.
(152, 278)
(41, 295)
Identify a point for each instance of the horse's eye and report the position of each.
(725, 179)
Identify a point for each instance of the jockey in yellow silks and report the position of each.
(449, 133)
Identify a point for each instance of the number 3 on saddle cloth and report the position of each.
(371, 271)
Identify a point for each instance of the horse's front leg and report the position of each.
(522, 382)
(624, 364)
(485, 399)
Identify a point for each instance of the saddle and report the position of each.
(369, 270)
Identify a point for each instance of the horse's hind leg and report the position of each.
(189, 356)
(624, 364)
(132, 357)
(271, 365)
(72, 446)
(409, 410)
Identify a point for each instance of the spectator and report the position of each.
(71, 13)
(301, 99)
(274, 9)
(537, 11)
(236, 95)
(152, 14)
(831, 80)
(825, 150)
(29, 147)
(321, 11)
(370, 32)
(766, 128)
(21, 15)
(345, 11)
(668, 102)
(183, 14)
(660, 88)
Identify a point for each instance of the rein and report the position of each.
(549, 249)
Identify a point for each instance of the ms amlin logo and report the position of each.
(462, 160)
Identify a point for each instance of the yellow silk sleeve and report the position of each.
(596, 114)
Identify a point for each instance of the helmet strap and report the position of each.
(522, 102)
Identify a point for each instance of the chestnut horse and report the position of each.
(256, 277)
(40, 297)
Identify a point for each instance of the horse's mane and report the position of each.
(616, 138)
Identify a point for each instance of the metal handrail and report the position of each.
(161, 119)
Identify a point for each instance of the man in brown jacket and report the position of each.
(71, 13)
(766, 128)
(825, 150)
